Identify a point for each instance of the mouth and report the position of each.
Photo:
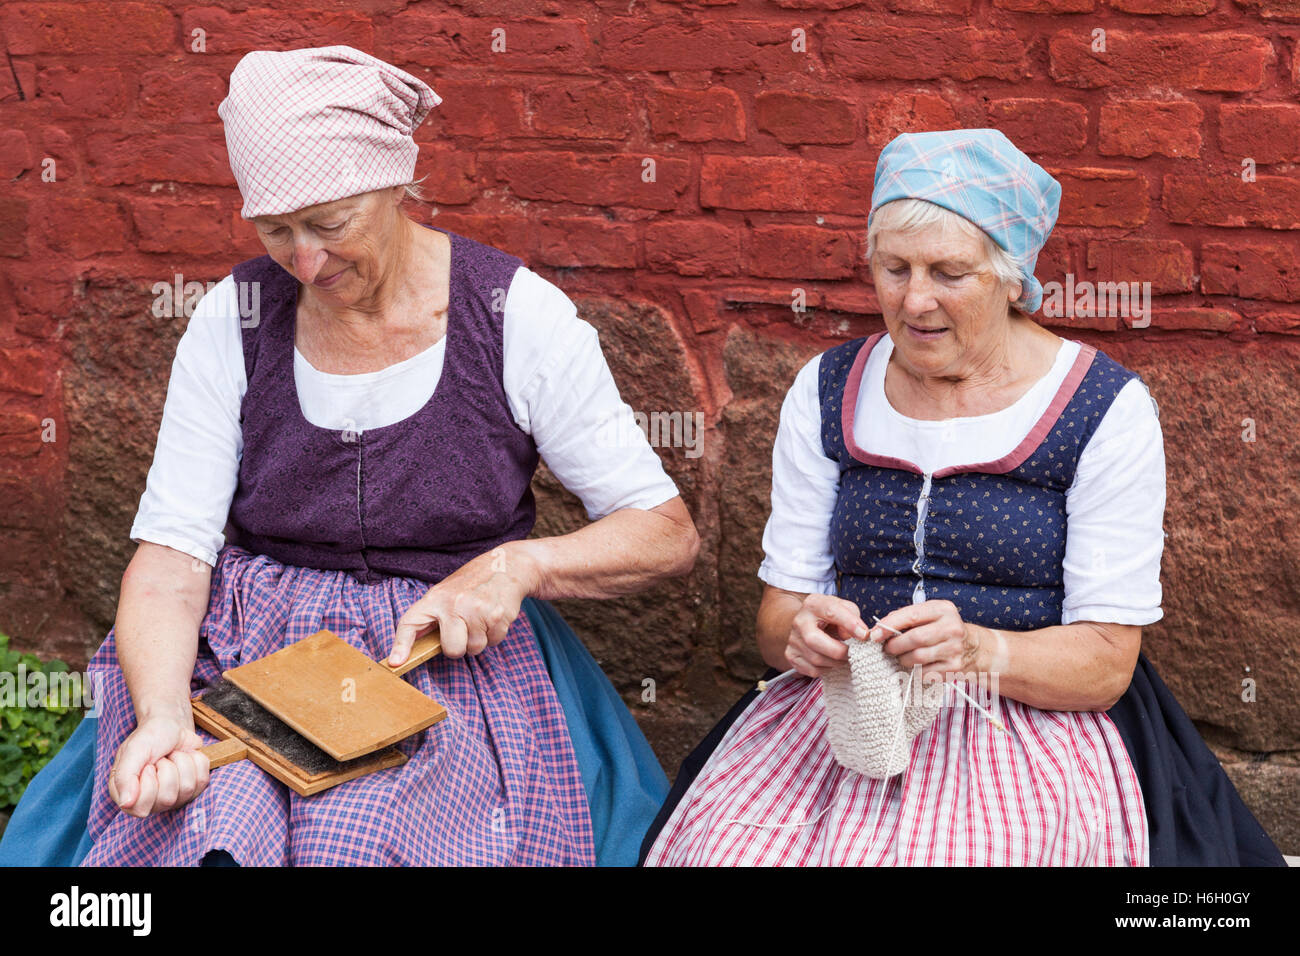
(924, 334)
(326, 283)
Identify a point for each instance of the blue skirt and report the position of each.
(624, 783)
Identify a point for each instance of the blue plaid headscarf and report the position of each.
(981, 176)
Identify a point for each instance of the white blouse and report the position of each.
(558, 386)
(1114, 508)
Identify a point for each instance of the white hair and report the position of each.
(912, 215)
(414, 191)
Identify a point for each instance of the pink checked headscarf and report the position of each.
(311, 126)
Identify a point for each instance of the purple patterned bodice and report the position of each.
(417, 498)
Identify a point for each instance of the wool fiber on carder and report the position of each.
(244, 712)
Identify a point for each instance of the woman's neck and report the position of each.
(368, 337)
(994, 378)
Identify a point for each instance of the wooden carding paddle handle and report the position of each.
(225, 751)
(424, 648)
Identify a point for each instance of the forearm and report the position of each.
(160, 608)
(622, 553)
(1080, 667)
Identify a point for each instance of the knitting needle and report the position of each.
(993, 720)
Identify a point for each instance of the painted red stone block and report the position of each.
(621, 179)
(15, 153)
(1142, 128)
(1214, 62)
(1269, 202)
(692, 248)
(450, 176)
(912, 112)
(1266, 132)
(167, 225)
(795, 118)
(513, 234)
(799, 253)
(878, 48)
(1102, 197)
(24, 371)
(1210, 320)
(786, 184)
(493, 44)
(1285, 323)
(87, 29)
(575, 243)
(492, 111)
(119, 158)
(704, 309)
(228, 31)
(1166, 263)
(1041, 126)
(20, 437)
(191, 96)
(633, 44)
(88, 91)
(696, 116)
(83, 227)
(581, 111)
(1252, 270)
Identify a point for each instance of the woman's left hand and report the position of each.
(473, 607)
(934, 637)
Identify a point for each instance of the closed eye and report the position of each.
(941, 275)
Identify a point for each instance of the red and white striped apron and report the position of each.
(1056, 790)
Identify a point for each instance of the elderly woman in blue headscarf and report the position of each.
(963, 549)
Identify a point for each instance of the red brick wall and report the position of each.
(763, 121)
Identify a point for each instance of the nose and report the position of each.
(308, 259)
(918, 295)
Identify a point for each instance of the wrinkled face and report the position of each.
(942, 303)
(341, 249)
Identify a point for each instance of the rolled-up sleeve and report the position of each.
(196, 461)
(1115, 517)
(561, 392)
(805, 484)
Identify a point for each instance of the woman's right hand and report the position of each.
(158, 767)
(818, 633)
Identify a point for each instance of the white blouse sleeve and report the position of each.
(805, 485)
(1115, 513)
(196, 461)
(561, 392)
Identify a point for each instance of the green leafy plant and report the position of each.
(30, 736)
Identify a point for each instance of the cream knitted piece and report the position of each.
(865, 707)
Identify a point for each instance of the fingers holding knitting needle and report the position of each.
(931, 635)
(818, 633)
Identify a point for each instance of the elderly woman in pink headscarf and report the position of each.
(351, 428)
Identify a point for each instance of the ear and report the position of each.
(1017, 290)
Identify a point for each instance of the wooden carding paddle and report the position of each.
(330, 694)
(336, 696)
